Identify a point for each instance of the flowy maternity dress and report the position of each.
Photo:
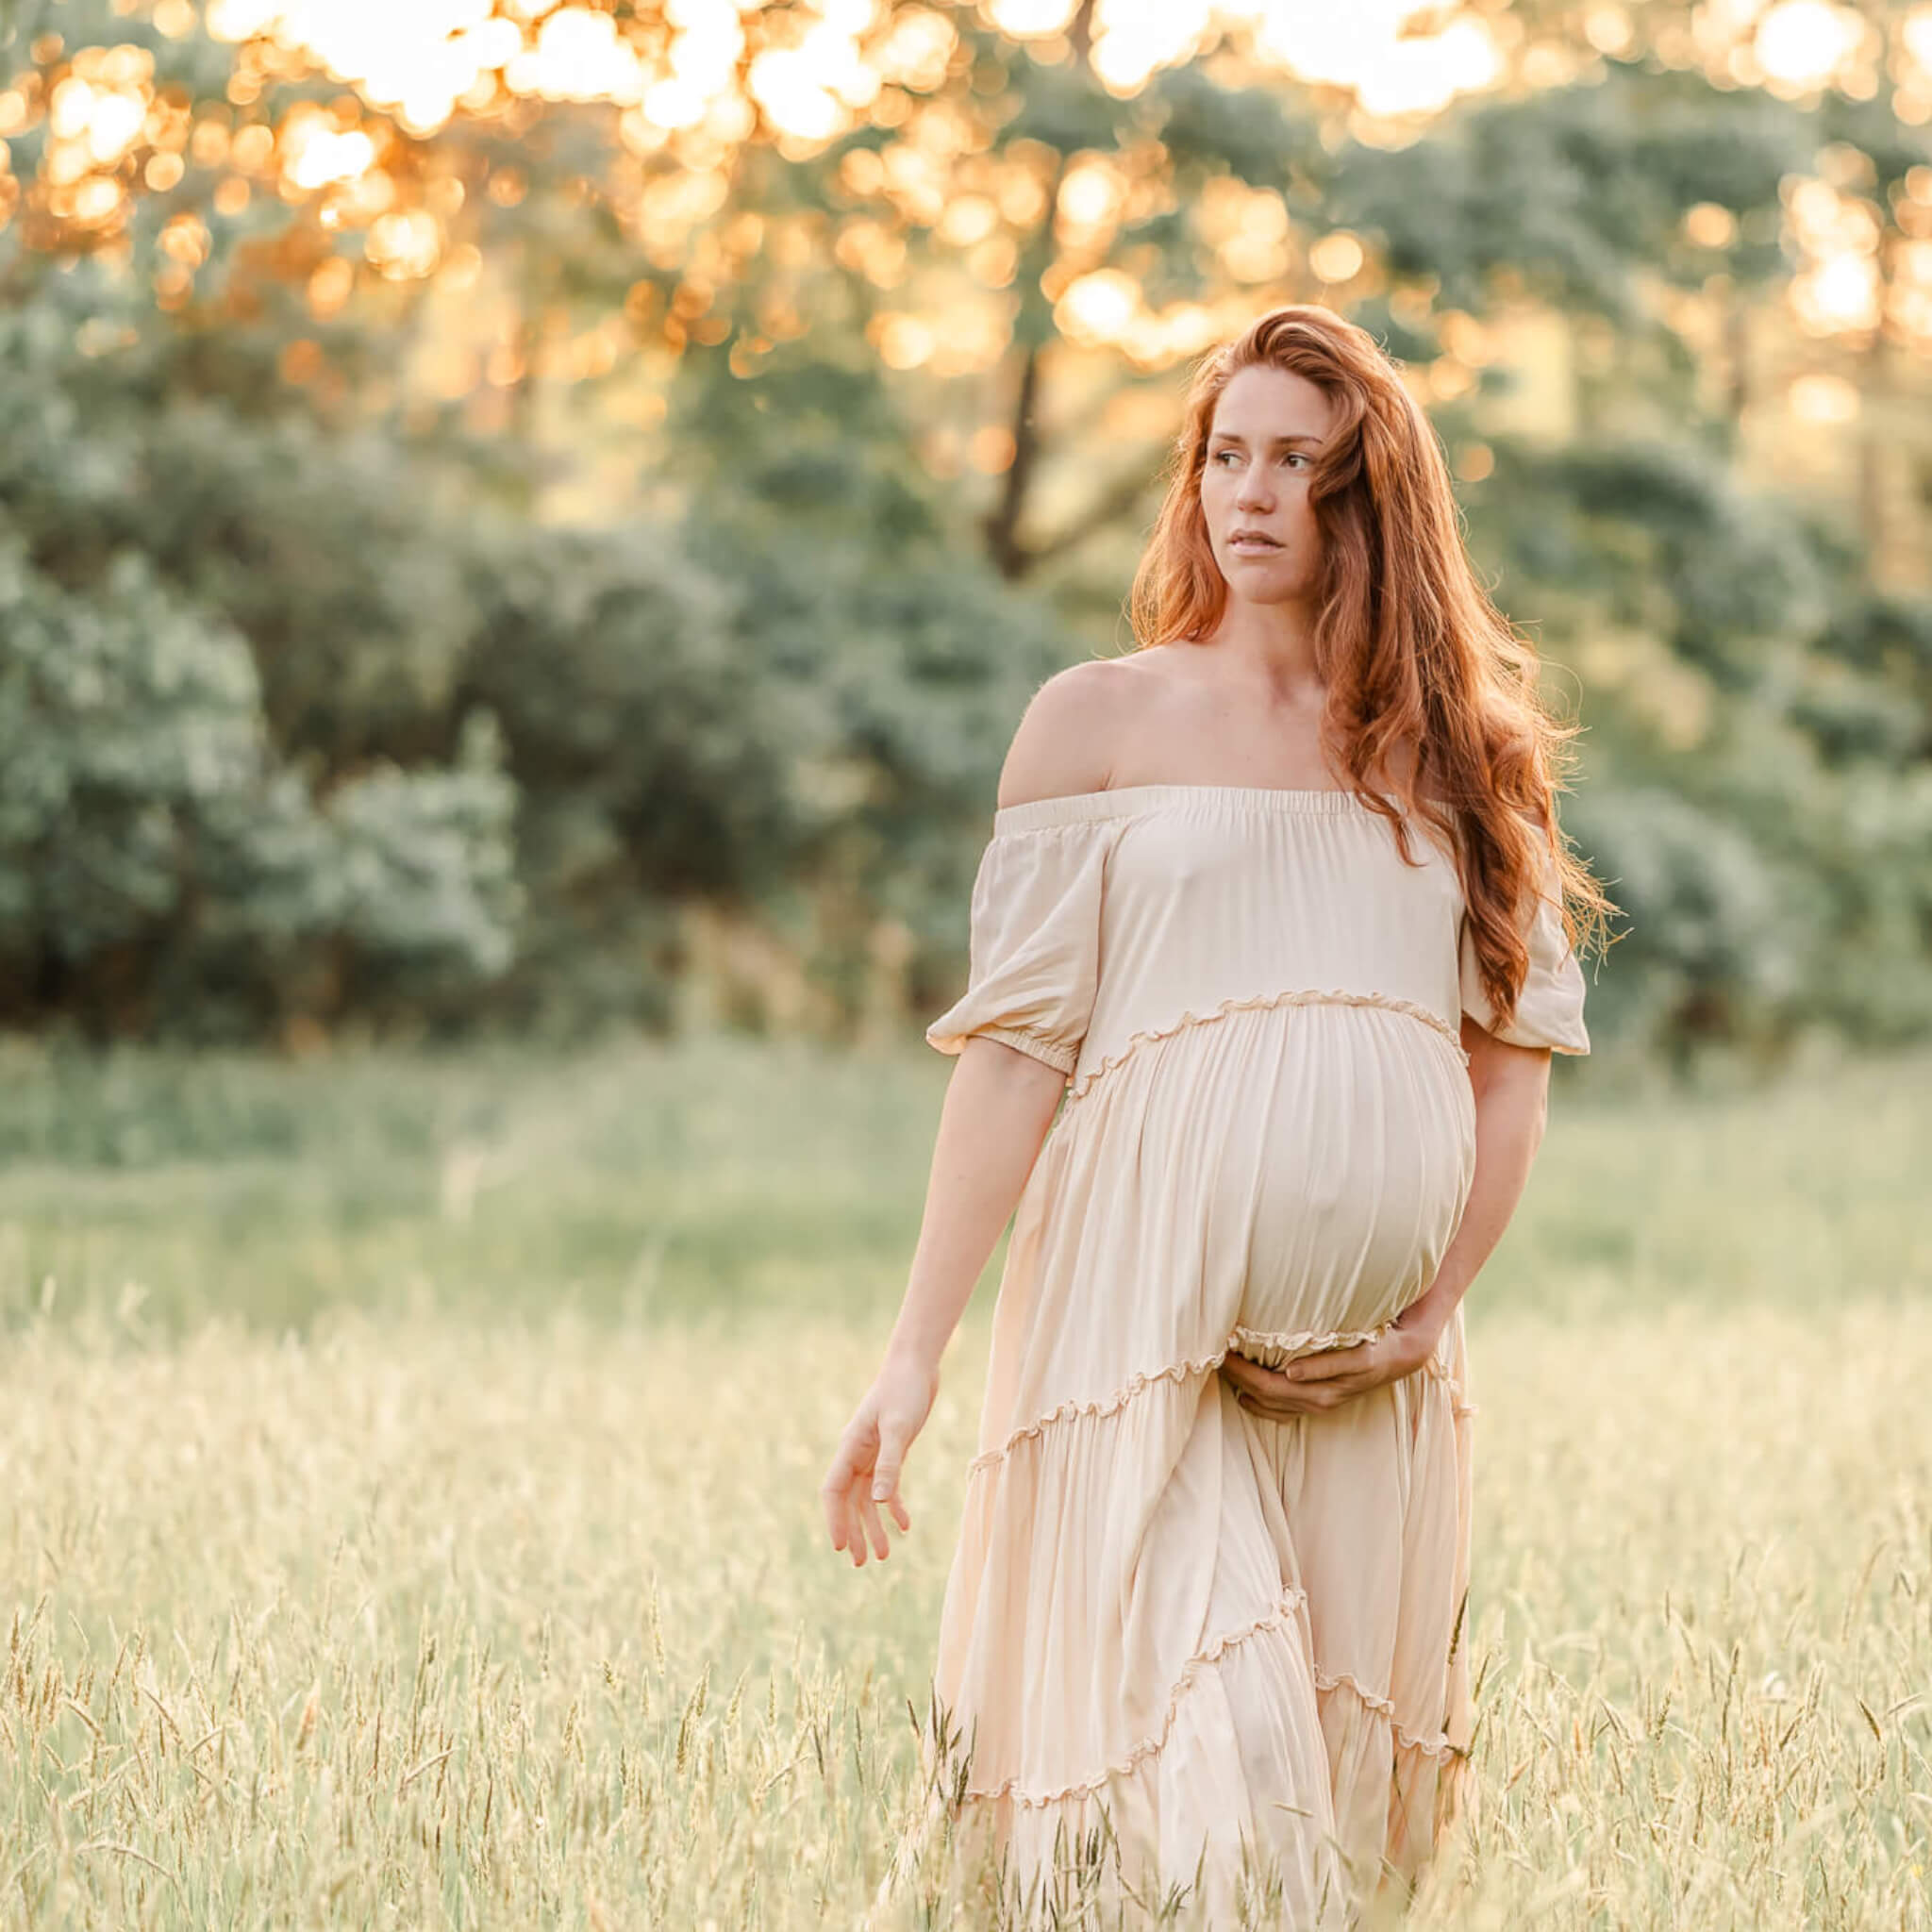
(1222, 1637)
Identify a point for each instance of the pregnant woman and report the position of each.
(1269, 954)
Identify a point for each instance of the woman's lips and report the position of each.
(1252, 547)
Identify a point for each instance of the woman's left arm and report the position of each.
(1512, 1085)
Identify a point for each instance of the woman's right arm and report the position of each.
(998, 1105)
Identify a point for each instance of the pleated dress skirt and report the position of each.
(1189, 1653)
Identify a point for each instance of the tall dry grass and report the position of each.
(414, 1613)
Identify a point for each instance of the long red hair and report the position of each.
(1408, 643)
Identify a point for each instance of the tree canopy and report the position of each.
(477, 523)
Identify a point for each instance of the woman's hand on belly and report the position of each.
(1314, 1383)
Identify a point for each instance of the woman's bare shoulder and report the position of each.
(1065, 741)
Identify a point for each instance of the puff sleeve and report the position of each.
(1549, 1009)
(1034, 944)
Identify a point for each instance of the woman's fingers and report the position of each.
(832, 1495)
(855, 1527)
(885, 1492)
(868, 1510)
(864, 1474)
(850, 1537)
(1238, 1370)
(1331, 1365)
(1317, 1383)
(1256, 1379)
(851, 1468)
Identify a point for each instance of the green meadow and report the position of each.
(410, 1470)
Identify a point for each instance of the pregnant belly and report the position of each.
(1353, 1152)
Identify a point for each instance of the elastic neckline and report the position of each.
(1074, 808)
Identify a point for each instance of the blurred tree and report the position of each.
(919, 371)
(162, 870)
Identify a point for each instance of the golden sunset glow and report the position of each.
(1824, 399)
(1915, 37)
(1098, 307)
(1800, 44)
(1030, 18)
(1361, 48)
(1843, 293)
(1711, 226)
(425, 59)
(688, 101)
(315, 154)
(1912, 291)
(1337, 257)
(1838, 288)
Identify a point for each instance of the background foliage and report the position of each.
(336, 694)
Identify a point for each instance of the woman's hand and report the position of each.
(865, 1470)
(1315, 1384)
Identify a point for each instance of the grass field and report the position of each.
(410, 1470)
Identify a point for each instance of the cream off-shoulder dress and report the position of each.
(1212, 1633)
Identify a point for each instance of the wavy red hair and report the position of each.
(1408, 643)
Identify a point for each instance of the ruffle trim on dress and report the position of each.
(1174, 1371)
(1301, 996)
(1437, 1746)
(1300, 1338)
(1293, 1599)
(1105, 1405)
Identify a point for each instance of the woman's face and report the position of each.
(1267, 425)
